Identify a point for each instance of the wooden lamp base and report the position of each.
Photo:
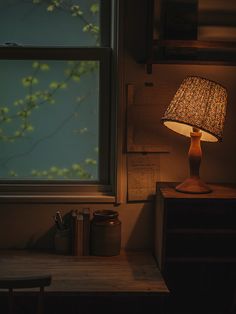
(194, 184)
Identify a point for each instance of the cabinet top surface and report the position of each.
(219, 191)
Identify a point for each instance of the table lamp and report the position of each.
(198, 111)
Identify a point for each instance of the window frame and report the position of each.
(70, 190)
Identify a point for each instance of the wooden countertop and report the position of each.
(129, 273)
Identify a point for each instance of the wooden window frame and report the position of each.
(75, 190)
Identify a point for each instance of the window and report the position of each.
(55, 65)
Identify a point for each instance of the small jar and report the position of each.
(105, 233)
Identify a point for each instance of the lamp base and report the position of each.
(193, 185)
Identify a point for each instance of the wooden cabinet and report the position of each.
(195, 247)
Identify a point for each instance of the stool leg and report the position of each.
(233, 306)
(11, 301)
(40, 300)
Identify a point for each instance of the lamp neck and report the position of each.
(194, 184)
(195, 153)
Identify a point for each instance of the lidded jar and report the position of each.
(105, 233)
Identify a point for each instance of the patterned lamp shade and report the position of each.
(198, 103)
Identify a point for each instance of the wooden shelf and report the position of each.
(208, 259)
(172, 36)
(199, 231)
(191, 52)
(201, 44)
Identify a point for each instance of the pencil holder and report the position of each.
(62, 241)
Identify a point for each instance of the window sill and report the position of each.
(57, 198)
(67, 193)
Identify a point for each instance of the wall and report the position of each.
(31, 225)
(218, 163)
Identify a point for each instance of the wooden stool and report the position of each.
(12, 283)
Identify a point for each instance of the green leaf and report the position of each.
(53, 169)
(18, 102)
(31, 98)
(44, 67)
(12, 173)
(75, 10)
(17, 133)
(24, 113)
(54, 85)
(52, 101)
(35, 65)
(83, 130)
(4, 110)
(29, 80)
(76, 167)
(91, 28)
(35, 81)
(90, 161)
(94, 8)
(57, 3)
(87, 27)
(50, 8)
(63, 85)
(30, 128)
(34, 172)
(76, 78)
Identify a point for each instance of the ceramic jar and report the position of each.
(105, 233)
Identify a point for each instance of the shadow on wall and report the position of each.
(54, 239)
(44, 242)
(138, 226)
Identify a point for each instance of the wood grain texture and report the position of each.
(128, 273)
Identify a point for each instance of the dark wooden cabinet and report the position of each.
(195, 247)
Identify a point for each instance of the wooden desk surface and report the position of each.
(128, 273)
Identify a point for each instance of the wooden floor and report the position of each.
(130, 282)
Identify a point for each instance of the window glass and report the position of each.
(49, 119)
(50, 22)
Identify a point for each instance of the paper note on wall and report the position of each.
(143, 173)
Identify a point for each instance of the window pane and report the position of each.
(50, 22)
(49, 119)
